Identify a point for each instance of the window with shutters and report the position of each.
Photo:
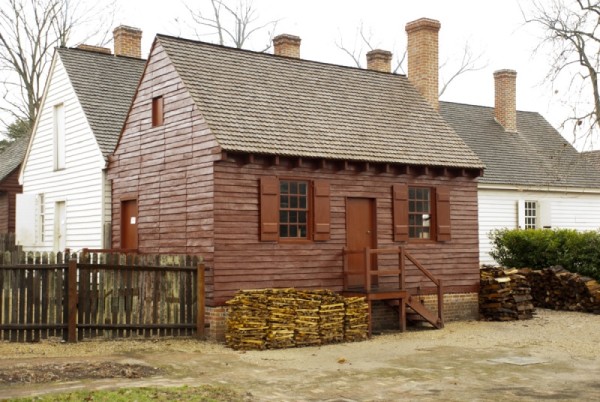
(531, 214)
(294, 210)
(420, 215)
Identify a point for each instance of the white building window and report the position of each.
(59, 137)
(39, 226)
(531, 214)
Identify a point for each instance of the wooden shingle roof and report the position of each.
(537, 155)
(265, 104)
(12, 157)
(104, 85)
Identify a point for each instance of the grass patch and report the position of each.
(204, 393)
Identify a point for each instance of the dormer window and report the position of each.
(157, 111)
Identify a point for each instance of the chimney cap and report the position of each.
(379, 53)
(423, 23)
(132, 30)
(287, 38)
(505, 72)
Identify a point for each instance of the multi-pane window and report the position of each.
(293, 209)
(531, 214)
(419, 213)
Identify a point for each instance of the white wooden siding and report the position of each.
(499, 209)
(79, 185)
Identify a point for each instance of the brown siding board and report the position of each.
(168, 167)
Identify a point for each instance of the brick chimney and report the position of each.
(379, 60)
(423, 61)
(505, 105)
(97, 49)
(127, 41)
(287, 45)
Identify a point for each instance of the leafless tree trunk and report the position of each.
(572, 38)
(363, 42)
(29, 32)
(234, 22)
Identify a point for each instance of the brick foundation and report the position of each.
(216, 317)
(457, 307)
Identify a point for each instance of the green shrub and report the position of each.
(575, 251)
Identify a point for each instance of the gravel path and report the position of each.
(553, 356)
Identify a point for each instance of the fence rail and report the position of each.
(85, 295)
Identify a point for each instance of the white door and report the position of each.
(60, 226)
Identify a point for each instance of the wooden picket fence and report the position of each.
(7, 242)
(92, 295)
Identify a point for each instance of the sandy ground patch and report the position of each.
(553, 356)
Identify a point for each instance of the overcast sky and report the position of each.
(494, 29)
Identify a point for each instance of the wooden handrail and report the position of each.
(421, 268)
(401, 272)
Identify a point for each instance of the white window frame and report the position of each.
(531, 214)
(40, 216)
(59, 136)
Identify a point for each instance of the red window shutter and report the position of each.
(400, 206)
(443, 213)
(269, 208)
(322, 211)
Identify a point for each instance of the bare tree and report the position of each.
(571, 36)
(29, 32)
(233, 22)
(363, 42)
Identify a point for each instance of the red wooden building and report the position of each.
(10, 163)
(270, 165)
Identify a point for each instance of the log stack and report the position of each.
(283, 318)
(504, 295)
(558, 289)
(356, 322)
(248, 314)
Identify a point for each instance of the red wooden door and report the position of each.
(360, 234)
(129, 232)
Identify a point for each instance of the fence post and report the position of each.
(200, 295)
(72, 300)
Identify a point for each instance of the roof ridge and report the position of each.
(280, 57)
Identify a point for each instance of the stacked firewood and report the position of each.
(331, 317)
(283, 318)
(558, 289)
(356, 322)
(307, 319)
(248, 314)
(504, 295)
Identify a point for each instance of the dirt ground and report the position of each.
(554, 356)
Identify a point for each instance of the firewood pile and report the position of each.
(558, 289)
(504, 295)
(284, 318)
(356, 321)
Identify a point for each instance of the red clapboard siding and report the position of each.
(9, 188)
(192, 202)
(243, 261)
